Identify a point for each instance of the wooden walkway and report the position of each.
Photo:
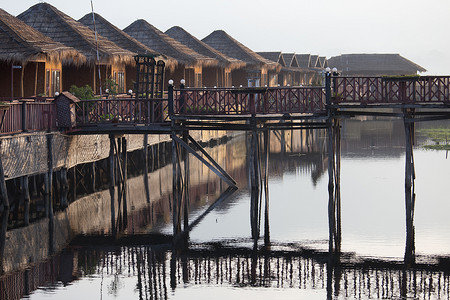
(197, 106)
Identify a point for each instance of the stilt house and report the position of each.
(218, 75)
(62, 28)
(190, 63)
(125, 41)
(30, 62)
(257, 68)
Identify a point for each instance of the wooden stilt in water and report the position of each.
(26, 198)
(409, 182)
(186, 183)
(92, 170)
(5, 215)
(74, 182)
(112, 181)
(254, 182)
(46, 195)
(124, 181)
(337, 196)
(175, 207)
(119, 177)
(52, 246)
(331, 200)
(145, 153)
(266, 187)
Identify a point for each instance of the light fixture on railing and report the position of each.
(334, 70)
(170, 82)
(327, 69)
(56, 94)
(182, 81)
(107, 91)
(130, 92)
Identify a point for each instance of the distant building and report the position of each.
(374, 65)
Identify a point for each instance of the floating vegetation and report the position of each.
(439, 136)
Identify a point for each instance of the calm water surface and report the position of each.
(373, 227)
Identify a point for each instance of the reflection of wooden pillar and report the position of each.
(331, 202)
(52, 248)
(175, 207)
(26, 199)
(5, 215)
(124, 183)
(337, 137)
(112, 184)
(145, 153)
(64, 188)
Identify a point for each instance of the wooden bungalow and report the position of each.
(276, 77)
(30, 62)
(256, 71)
(374, 65)
(125, 41)
(101, 54)
(190, 63)
(219, 75)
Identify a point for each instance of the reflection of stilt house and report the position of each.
(190, 63)
(374, 65)
(62, 28)
(256, 71)
(30, 62)
(219, 75)
(125, 41)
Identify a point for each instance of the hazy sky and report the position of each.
(416, 29)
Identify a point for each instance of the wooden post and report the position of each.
(254, 209)
(46, 195)
(409, 181)
(5, 215)
(52, 247)
(266, 187)
(186, 183)
(26, 200)
(337, 136)
(175, 208)
(112, 184)
(124, 181)
(145, 152)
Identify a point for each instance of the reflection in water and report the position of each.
(147, 273)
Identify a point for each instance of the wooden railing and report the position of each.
(242, 101)
(123, 110)
(390, 90)
(28, 116)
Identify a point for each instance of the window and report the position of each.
(120, 80)
(47, 82)
(56, 81)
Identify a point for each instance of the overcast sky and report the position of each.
(416, 29)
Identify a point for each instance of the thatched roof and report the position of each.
(195, 44)
(275, 56)
(224, 43)
(62, 28)
(164, 44)
(375, 64)
(119, 37)
(21, 43)
(303, 60)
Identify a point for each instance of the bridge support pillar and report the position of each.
(410, 196)
(334, 197)
(254, 182)
(266, 187)
(145, 153)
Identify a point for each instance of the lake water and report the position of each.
(221, 262)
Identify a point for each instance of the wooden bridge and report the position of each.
(195, 106)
